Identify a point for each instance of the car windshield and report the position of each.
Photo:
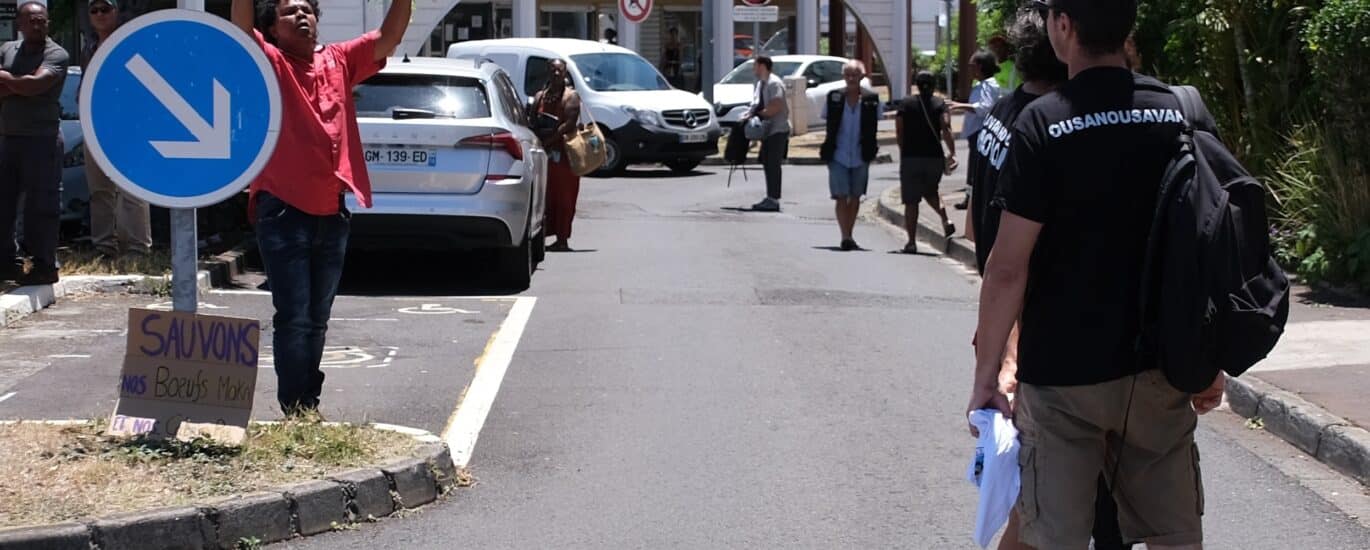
(619, 72)
(71, 88)
(443, 96)
(779, 44)
(745, 74)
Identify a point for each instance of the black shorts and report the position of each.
(919, 177)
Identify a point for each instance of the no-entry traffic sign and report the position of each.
(635, 11)
(180, 108)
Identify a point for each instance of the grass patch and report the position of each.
(62, 473)
(86, 261)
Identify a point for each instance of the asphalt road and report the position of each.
(694, 377)
(698, 377)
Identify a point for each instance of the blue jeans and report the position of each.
(304, 263)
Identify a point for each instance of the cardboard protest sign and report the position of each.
(184, 367)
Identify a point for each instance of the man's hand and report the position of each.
(1008, 376)
(982, 397)
(951, 164)
(1210, 398)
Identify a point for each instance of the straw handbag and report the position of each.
(585, 149)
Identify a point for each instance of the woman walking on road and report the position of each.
(922, 127)
(558, 110)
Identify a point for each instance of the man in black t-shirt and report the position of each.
(1078, 191)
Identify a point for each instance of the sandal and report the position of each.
(911, 248)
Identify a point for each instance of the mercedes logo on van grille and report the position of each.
(691, 120)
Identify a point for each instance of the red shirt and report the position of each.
(319, 152)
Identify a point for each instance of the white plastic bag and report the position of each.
(994, 469)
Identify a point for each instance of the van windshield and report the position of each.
(619, 72)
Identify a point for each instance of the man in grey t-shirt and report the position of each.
(768, 104)
(32, 71)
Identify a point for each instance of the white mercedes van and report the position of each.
(644, 119)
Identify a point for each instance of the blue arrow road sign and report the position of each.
(180, 108)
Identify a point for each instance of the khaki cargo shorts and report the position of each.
(1071, 433)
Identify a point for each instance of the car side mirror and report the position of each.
(813, 82)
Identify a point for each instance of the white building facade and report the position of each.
(439, 23)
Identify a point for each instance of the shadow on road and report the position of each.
(415, 273)
(658, 173)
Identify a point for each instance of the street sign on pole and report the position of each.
(180, 108)
(756, 14)
(635, 11)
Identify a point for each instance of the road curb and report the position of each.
(298, 510)
(224, 268)
(27, 300)
(956, 248)
(1333, 440)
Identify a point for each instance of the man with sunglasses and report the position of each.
(119, 222)
(32, 70)
(1078, 191)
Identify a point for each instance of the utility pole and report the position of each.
(966, 40)
(946, 38)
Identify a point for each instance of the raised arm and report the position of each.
(243, 16)
(392, 29)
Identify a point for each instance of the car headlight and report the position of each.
(76, 157)
(644, 117)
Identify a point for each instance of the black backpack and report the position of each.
(1213, 297)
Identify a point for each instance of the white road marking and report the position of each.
(359, 320)
(241, 292)
(70, 356)
(463, 428)
(7, 396)
(435, 309)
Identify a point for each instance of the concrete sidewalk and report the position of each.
(1310, 391)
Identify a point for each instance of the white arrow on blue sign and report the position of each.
(180, 108)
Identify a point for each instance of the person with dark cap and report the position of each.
(32, 70)
(119, 222)
(922, 127)
(1078, 192)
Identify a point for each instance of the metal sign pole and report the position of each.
(756, 39)
(185, 240)
(706, 68)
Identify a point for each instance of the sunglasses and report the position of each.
(97, 10)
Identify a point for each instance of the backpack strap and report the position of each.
(1196, 114)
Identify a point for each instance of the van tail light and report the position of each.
(504, 140)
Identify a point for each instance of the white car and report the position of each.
(643, 118)
(453, 164)
(733, 94)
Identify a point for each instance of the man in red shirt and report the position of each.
(297, 200)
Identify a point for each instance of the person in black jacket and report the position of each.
(849, 146)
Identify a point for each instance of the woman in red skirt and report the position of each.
(558, 110)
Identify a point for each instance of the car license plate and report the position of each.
(401, 156)
(699, 137)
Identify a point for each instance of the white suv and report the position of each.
(452, 163)
(643, 117)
